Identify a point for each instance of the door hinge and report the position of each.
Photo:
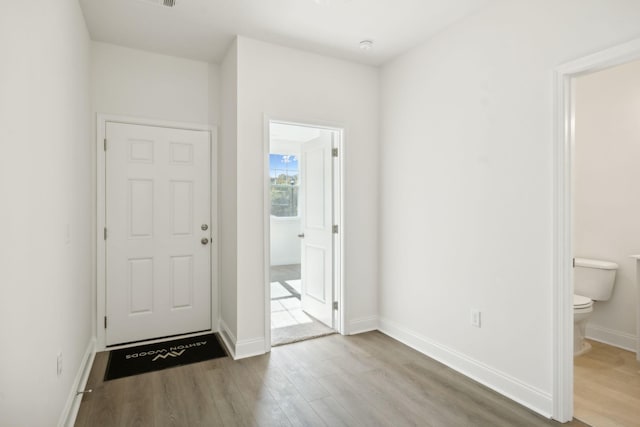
(105, 322)
(335, 305)
(335, 229)
(334, 152)
(105, 144)
(573, 263)
(105, 233)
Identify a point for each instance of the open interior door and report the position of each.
(316, 196)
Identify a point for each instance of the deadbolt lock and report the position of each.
(204, 227)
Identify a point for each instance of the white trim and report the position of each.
(562, 254)
(228, 338)
(526, 395)
(71, 408)
(266, 148)
(249, 347)
(101, 121)
(612, 337)
(562, 284)
(637, 258)
(363, 324)
(339, 215)
(158, 340)
(214, 215)
(339, 205)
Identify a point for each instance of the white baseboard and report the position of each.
(71, 408)
(228, 338)
(526, 395)
(609, 336)
(250, 347)
(362, 324)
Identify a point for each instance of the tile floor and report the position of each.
(286, 308)
(287, 312)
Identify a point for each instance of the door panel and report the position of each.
(157, 197)
(317, 219)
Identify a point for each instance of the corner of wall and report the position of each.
(249, 348)
(240, 349)
(362, 324)
(228, 338)
(526, 395)
(72, 406)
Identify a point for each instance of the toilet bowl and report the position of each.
(582, 309)
(593, 281)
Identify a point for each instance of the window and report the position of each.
(284, 173)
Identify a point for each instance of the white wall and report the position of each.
(215, 101)
(45, 171)
(227, 190)
(606, 204)
(136, 83)
(467, 186)
(294, 85)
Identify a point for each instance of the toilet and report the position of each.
(592, 281)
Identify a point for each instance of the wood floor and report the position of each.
(362, 380)
(607, 387)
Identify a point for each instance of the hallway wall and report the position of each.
(467, 186)
(45, 220)
(294, 85)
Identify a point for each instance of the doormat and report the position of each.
(154, 357)
(302, 332)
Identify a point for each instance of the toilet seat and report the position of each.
(581, 303)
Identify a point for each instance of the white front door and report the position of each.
(158, 272)
(316, 195)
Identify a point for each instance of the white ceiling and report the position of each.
(203, 29)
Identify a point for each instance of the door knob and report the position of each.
(301, 235)
(204, 240)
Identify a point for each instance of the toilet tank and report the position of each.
(594, 278)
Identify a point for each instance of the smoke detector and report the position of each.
(167, 3)
(366, 45)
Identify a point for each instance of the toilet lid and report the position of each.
(581, 302)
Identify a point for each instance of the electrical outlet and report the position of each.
(476, 318)
(59, 364)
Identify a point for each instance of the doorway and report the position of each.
(156, 256)
(303, 209)
(605, 229)
(565, 223)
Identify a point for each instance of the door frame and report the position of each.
(101, 288)
(338, 213)
(564, 139)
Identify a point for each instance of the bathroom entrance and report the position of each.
(606, 231)
(304, 231)
(598, 217)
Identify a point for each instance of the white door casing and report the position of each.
(316, 198)
(158, 271)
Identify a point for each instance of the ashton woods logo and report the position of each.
(163, 353)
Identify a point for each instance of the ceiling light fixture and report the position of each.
(366, 45)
